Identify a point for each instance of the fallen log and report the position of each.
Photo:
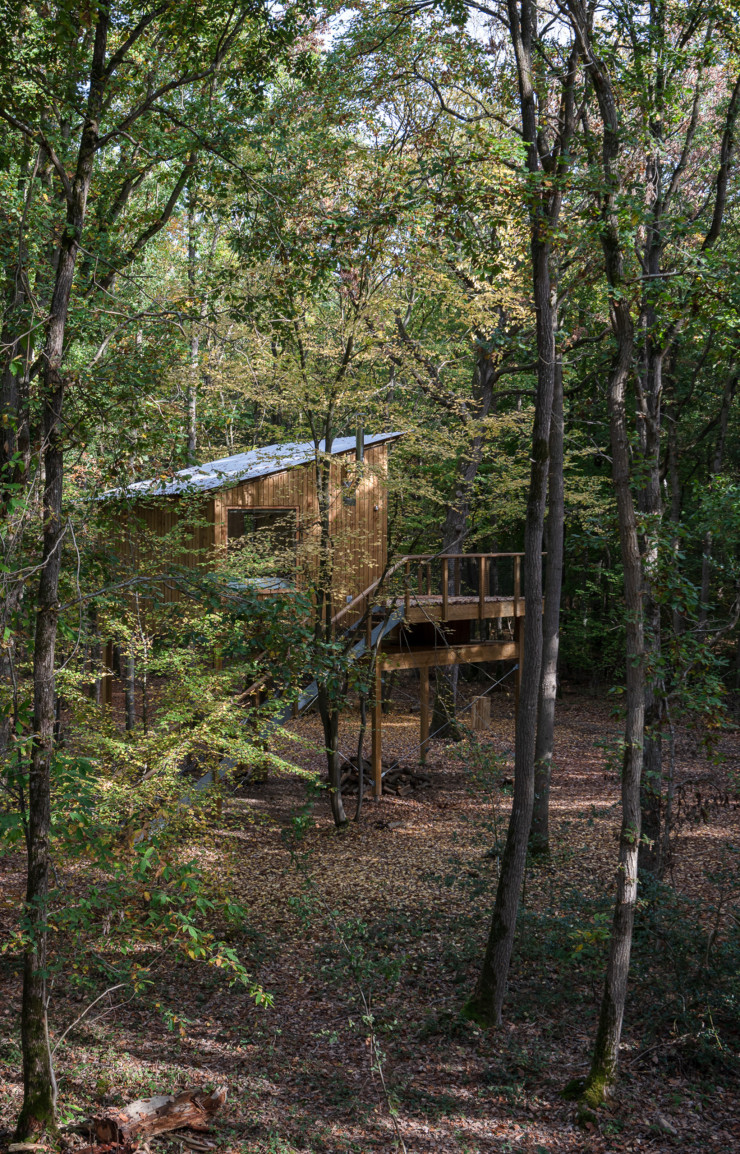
(155, 1115)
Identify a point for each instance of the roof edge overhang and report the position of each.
(207, 480)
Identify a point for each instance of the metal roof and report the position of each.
(228, 471)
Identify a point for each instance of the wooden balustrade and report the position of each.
(450, 584)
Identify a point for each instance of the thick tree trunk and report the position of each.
(539, 838)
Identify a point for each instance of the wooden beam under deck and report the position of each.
(448, 655)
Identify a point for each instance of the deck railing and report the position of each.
(445, 575)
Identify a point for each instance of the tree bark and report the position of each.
(39, 1090)
(130, 691)
(328, 709)
(192, 389)
(545, 201)
(715, 467)
(606, 1049)
(487, 1001)
(539, 837)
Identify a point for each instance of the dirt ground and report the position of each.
(369, 941)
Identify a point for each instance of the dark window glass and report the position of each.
(275, 532)
(235, 523)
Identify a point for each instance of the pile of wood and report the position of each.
(399, 779)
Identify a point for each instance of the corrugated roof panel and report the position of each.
(229, 471)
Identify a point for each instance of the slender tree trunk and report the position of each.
(130, 692)
(39, 1087)
(192, 390)
(651, 510)
(39, 1091)
(330, 725)
(606, 1049)
(328, 709)
(715, 467)
(539, 838)
(360, 755)
(488, 998)
(545, 201)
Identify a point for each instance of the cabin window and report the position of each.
(274, 532)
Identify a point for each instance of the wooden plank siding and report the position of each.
(359, 530)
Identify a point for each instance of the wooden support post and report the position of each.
(445, 587)
(424, 712)
(482, 575)
(377, 722)
(480, 714)
(429, 578)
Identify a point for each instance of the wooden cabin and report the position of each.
(422, 612)
(270, 494)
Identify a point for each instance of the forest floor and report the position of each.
(369, 940)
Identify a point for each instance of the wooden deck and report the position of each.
(437, 627)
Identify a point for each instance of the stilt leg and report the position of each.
(377, 723)
(424, 712)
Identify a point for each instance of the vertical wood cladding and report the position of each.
(359, 520)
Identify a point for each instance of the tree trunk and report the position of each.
(39, 1087)
(192, 388)
(487, 1001)
(324, 628)
(716, 465)
(539, 838)
(651, 509)
(444, 713)
(606, 1049)
(130, 692)
(39, 1090)
(545, 201)
(330, 724)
